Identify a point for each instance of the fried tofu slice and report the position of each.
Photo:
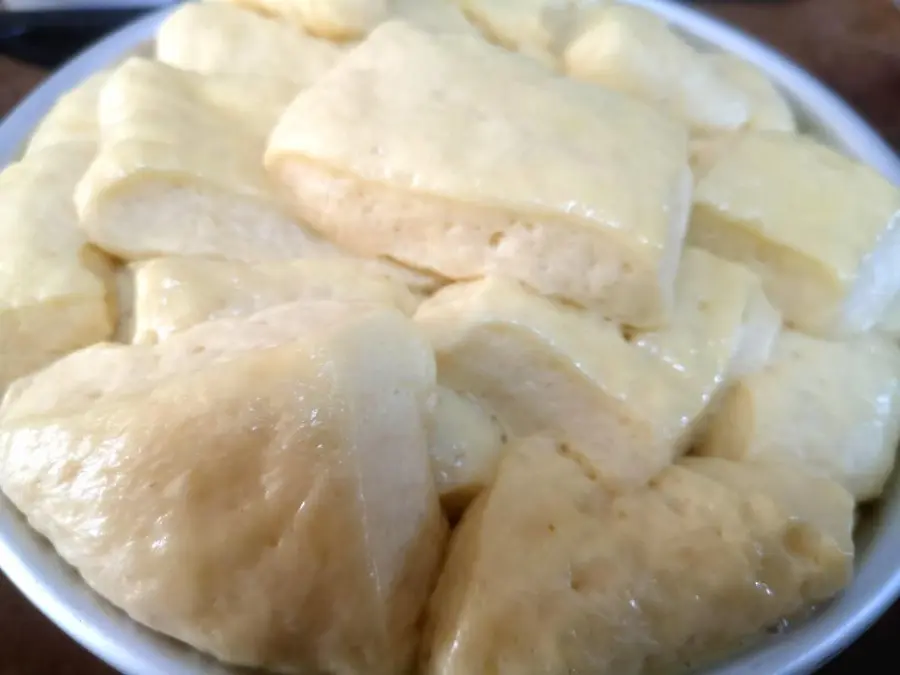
(172, 294)
(833, 406)
(583, 198)
(223, 39)
(632, 50)
(630, 407)
(179, 169)
(255, 478)
(55, 288)
(550, 573)
(73, 119)
(820, 229)
(465, 445)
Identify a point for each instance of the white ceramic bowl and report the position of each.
(32, 565)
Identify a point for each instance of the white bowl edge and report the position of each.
(31, 564)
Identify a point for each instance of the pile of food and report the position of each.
(477, 337)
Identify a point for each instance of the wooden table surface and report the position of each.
(853, 45)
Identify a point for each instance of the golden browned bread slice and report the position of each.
(172, 294)
(55, 288)
(632, 50)
(629, 406)
(179, 169)
(263, 484)
(833, 406)
(579, 192)
(821, 230)
(224, 39)
(549, 573)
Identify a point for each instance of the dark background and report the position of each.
(853, 45)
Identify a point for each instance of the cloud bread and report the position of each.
(179, 169)
(219, 38)
(632, 50)
(629, 406)
(584, 197)
(821, 230)
(831, 405)
(550, 573)
(172, 294)
(263, 483)
(54, 286)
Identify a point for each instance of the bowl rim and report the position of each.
(134, 650)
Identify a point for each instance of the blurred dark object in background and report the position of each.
(49, 37)
(39, 32)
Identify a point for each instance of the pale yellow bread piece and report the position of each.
(172, 294)
(632, 50)
(437, 16)
(582, 198)
(73, 119)
(331, 19)
(706, 149)
(54, 287)
(545, 368)
(549, 573)
(263, 484)
(722, 326)
(224, 39)
(350, 20)
(769, 110)
(821, 230)
(465, 444)
(179, 169)
(834, 406)
(536, 28)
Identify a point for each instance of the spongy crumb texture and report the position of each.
(178, 170)
(579, 192)
(548, 573)
(445, 337)
(631, 407)
(263, 485)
